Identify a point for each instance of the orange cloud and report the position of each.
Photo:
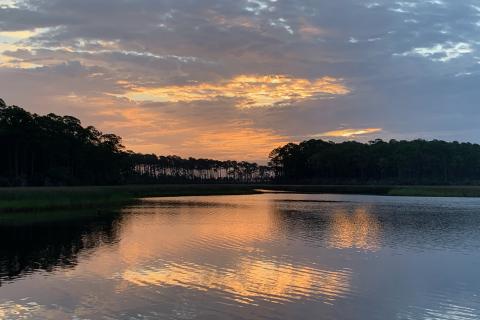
(308, 30)
(348, 133)
(249, 90)
(231, 22)
(11, 41)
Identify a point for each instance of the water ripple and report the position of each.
(275, 256)
(249, 280)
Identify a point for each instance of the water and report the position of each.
(270, 256)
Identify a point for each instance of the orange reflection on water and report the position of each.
(267, 280)
(358, 230)
(187, 228)
(174, 248)
(194, 228)
(26, 309)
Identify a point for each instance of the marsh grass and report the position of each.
(55, 216)
(436, 191)
(51, 198)
(56, 198)
(412, 191)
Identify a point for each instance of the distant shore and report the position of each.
(30, 199)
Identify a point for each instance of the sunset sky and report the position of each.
(232, 79)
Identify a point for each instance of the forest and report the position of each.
(52, 150)
(416, 162)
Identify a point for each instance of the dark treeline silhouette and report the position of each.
(50, 150)
(377, 162)
(176, 169)
(58, 150)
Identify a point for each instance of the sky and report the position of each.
(233, 79)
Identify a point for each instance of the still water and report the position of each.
(269, 256)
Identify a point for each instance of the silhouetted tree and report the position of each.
(393, 162)
(58, 150)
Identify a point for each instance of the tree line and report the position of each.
(150, 167)
(58, 150)
(377, 162)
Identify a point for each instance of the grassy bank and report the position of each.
(49, 198)
(46, 198)
(412, 191)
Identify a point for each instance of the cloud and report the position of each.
(174, 77)
(249, 91)
(12, 41)
(307, 29)
(349, 133)
(442, 52)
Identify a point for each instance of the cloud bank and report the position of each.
(234, 79)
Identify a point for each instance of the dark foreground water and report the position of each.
(270, 256)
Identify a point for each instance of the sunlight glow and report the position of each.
(242, 143)
(12, 41)
(227, 140)
(249, 91)
(348, 133)
(17, 35)
(8, 3)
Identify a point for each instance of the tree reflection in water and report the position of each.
(35, 242)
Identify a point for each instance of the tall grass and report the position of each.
(50, 198)
(45, 198)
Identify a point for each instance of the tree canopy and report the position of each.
(377, 162)
(58, 150)
(50, 149)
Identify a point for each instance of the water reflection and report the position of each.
(30, 243)
(375, 225)
(281, 256)
(250, 280)
(330, 224)
(359, 229)
(27, 309)
(235, 243)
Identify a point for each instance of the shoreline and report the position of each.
(31, 199)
